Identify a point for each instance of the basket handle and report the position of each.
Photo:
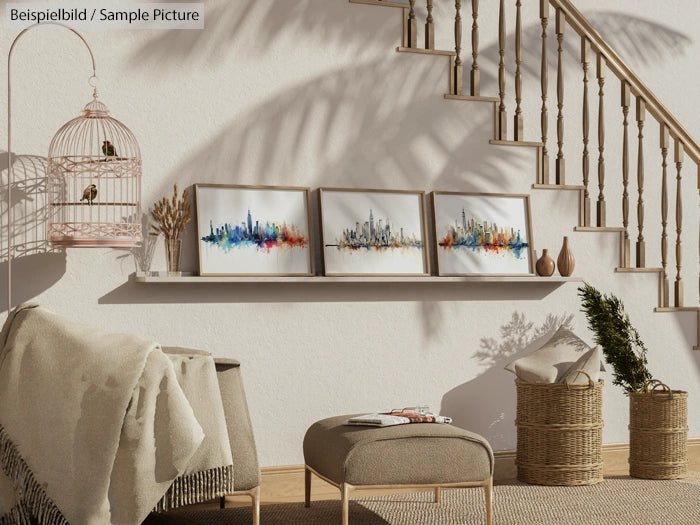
(590, 381)
(656, 384)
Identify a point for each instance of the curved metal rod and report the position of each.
(9, 146)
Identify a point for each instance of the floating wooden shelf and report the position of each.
(320, 279)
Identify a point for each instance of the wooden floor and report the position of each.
(286, 484)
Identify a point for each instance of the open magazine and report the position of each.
(401, 416)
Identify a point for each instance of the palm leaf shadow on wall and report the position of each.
(363, 133)
(346, 127)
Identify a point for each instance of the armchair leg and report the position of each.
(222, 502)
(255, 496)
(489, 504)
(307, 486)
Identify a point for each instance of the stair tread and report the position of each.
(557, 187)
(421, 51)
(450, 96)
(598, 229)
(516, 143)
(380, 3)
(622, 269)
(677, 309)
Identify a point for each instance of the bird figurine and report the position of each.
(89, 194)
(108, 149)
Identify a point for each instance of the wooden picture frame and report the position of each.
(480, 234)
(373, 232)
(253, 230)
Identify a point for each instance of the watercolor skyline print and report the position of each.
(475, 234)
(481, 234)
(263, 236)
(373, 232)
(375, 235)
(252, 230)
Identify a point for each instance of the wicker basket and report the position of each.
(659, 433)
(560, 433)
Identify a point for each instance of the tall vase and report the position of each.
(565, 261)
(172, 255)
(545, 264)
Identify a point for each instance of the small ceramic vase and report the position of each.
(545, 264)
(565, 261)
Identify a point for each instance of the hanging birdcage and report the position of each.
(94, 182)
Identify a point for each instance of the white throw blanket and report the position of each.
(94, 426)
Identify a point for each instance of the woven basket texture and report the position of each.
(560, 433)
(659, 434)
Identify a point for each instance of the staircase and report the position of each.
(674, 141)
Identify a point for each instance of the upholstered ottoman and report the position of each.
(416, 455)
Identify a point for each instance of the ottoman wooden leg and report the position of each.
(437, 495)
(344, 492)
(489, 505)
(307, 486)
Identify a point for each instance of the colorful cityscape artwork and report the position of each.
(373, 232)
(482, 234)
(251, 230)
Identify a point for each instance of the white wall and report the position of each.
(311, 92)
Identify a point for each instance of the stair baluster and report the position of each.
(475, 85)
(678, 285)
(458, 73)
(429, 27)
(560, 25)
(518, 117)
(502, 116)
(641, 245)
(412, 26)
(544, 80)
(600, 205)
(585, 50)
(664, 290)
(626, 248)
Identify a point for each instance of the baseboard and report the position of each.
(286, 483)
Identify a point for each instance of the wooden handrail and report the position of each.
(615, 64)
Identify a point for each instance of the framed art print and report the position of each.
(253, 230)
(482, 234)
(373, 232)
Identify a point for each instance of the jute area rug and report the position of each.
(616, 501)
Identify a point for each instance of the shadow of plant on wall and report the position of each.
(329, 127)
(254, 25)
(486, 404)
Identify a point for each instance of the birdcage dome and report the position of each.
(94, 182)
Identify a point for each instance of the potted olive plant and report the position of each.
(658, 415)
(170, 217)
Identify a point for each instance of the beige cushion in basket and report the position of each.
(589, 363)
(552, 361)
